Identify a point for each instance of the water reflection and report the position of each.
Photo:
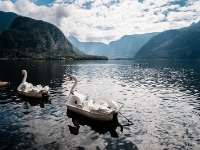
(98, 126)
(161, 98)
(4, 87)
(27, 102)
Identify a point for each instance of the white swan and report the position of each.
(92, 108)
(29, 90)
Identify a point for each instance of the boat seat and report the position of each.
(112, 104)
(93, 105)
(85, 104)
(100, 109)
(25, 87)
(98, 106)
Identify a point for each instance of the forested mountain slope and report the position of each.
(29, 38)
(5, 19)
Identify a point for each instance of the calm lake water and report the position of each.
(161, 99)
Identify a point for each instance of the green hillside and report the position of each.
(29, 38)
(5, 19)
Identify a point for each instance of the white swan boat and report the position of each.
(91, 108)
(27, 89)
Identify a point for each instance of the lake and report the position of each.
(161, 99)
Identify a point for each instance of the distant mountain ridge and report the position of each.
(18, 39)
(87, 47)
(125, 47)
(173, 44)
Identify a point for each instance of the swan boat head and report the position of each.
(29, 90)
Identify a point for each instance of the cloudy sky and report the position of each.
(108, 20)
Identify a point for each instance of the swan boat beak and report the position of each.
(70, 79)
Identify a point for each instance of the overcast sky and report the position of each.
(108, 20)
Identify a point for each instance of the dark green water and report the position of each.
(161, 98)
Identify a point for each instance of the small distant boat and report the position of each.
(27, 89)
(136, 64)
(98, 126)
(91, 108)
(4, 83)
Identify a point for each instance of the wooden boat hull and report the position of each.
(92, 115)
(4, 83)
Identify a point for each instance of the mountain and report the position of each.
(28, 37)
(125, 47)
(128, 45)
(5, 19)
(92, 48)
(36, 39)
(173, 44)
(78, 51)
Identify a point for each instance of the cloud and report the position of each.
(7, 6)
(180, 16)
(61, 13)
(108, 20)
